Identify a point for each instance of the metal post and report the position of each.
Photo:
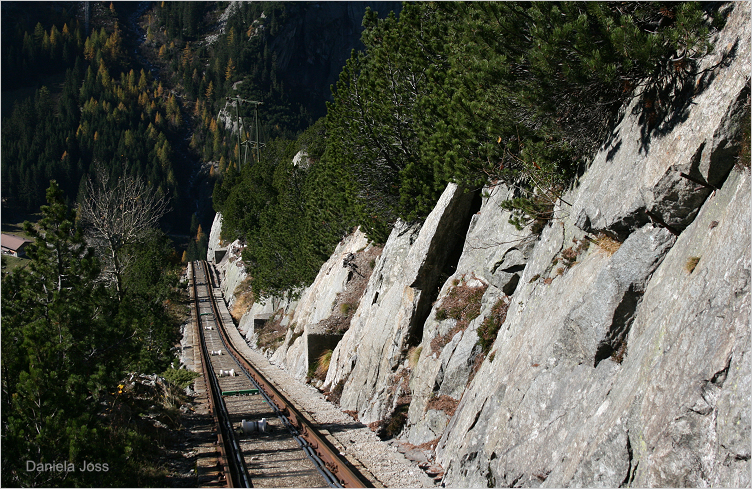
(255, 111)
(241, 143)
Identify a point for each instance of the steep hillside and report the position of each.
(609, 348)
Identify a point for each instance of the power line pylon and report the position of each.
(243, 140)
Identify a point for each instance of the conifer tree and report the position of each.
(55, 328)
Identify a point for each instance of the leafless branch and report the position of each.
(118, 214)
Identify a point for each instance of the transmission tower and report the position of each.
(244, 143)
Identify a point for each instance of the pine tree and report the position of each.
(54, 330)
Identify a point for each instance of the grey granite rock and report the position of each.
(604, 314)
(701, 142)
(396, 302)
(673, 408)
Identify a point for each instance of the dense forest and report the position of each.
(98, 300)
(143, 101)
(68, 340)
(105, 112)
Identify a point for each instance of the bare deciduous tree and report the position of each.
(119, 214)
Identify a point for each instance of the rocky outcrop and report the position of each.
(394, 307)
(319, 302)
(215, 251)
(494, 255)
(631, 368)
(230, 266)
(543, 412)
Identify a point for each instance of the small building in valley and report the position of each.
(13, 245)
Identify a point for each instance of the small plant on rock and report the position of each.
(491, 324)
(692, 262)
(180, 377)
(413, 355)
(463, 304)
(322, 365)
(608, 244)
(443, 403)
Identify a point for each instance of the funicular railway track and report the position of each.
(286, 450)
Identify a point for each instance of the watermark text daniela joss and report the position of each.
(32, 466)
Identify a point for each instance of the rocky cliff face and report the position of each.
(318, 316)
(611, 349)
(631, 368)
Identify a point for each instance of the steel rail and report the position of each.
(231, 456)
(319, 464)
(344, 473)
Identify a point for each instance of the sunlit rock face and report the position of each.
(631, 368)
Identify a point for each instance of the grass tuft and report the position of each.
(607, 244)
(413, 355)
(692, 262)
(322, 365)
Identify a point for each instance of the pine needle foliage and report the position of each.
(513, 92)
(67, 341)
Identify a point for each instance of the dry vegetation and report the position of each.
(606, 243)
(322, 365)
(413, 355)
(462, 304)
(691, 264)
(492, 323)
(743, 160)
(620, 352)
(443, 403)
(243, 299)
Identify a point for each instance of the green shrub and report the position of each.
(180, 377)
